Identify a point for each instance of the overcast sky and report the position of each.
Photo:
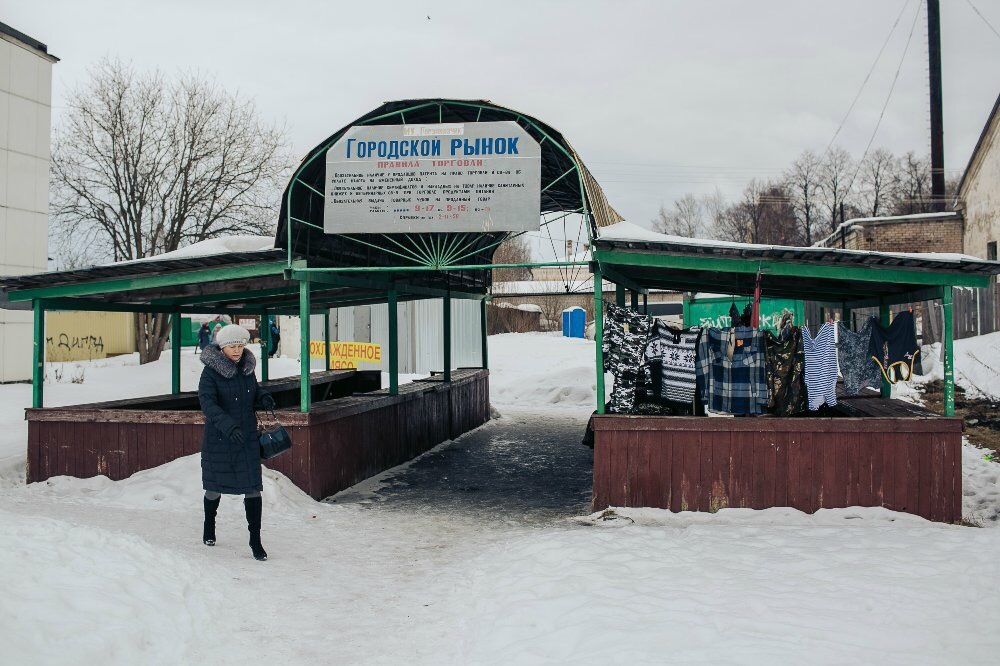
(659, 98)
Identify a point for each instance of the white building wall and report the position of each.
(421, 339)
(25, 130)
(980, 195)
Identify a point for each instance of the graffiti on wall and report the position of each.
(73, 347)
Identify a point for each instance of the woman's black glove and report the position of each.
(236, 435)
(267, 402)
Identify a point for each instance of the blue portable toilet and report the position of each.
(574, 321)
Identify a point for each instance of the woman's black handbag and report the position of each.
(274, 439)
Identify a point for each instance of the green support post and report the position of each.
(884, 317)
(635, 300)
(620, 295)
(483, 333)
(393, 341)
(38, 362)
(175, 353)
(446, 306)
(326, 337)
(949, 352)
(305, 391)
(847, 317)
(599, 337)
(265, 344)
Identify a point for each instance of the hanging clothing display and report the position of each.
(821, 365)
(626, 335)
(856, 364)
(894, 347)
(735, 384)
(785, 364)
(670, 363)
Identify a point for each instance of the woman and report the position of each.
(204, 337)
(230, 451)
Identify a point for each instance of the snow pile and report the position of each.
(730, 588)
(980, 487)
(532, 369)
(174, 486)
(84, 595)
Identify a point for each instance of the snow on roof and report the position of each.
(212, 246)
(529, 307)
(626, 231)
(857, 221)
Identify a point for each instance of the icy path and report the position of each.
(526, 468)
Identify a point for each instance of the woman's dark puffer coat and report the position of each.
(229, 395)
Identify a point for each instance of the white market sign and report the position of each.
(477, 177)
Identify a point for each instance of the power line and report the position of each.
(888, 97)
(990, 25)
(868, 75)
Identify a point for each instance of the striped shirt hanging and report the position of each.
(821, 365)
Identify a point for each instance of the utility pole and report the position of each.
(937, 125)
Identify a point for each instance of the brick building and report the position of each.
(922, 232)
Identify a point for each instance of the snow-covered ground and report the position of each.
(415, 567)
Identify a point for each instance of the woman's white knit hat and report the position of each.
(234, 334)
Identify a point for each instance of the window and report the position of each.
(991, 250)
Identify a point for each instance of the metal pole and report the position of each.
(175, 352)
(38, 362)
(949, 352)
(645, 304)
(265, 344)
(305, 391)
(884, 316)
(619, 295)
(937, 122)
(635, 300)
(326, 337)
(483, 333)
(446, 305)
(599, 337)
(393, 342)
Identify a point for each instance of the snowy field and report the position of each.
(427, 564)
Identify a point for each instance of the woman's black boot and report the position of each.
(208, 534)
(254, 506)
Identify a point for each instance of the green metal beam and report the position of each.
(446, 325)
(599, 337)
(226, 296)
(149, 282)
(456, 267)
(90, 305)
(305, 391)
(895, 274)
(484, 334)
(616, 277)
(38, 355)
(326, 338)
(376, 284)
(175, 353)
(928, 294)
(949, 352)
(393, 341)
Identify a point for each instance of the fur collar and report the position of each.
(213, 357)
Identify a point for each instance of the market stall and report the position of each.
(786, 433)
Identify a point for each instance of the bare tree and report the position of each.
(514, 250)
(878, 182)
(835, 178)
(804, 189)
(914, 192)
(686, 218)
(143, 166)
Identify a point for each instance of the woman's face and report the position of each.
(233, 352)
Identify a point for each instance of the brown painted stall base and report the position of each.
(706, 464)
(341, 442)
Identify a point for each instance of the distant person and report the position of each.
(215, 331)
(275, 339)
(204, 337)
(230, 451)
